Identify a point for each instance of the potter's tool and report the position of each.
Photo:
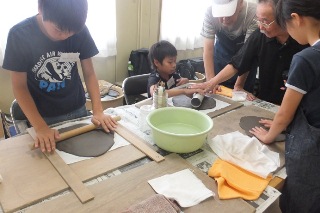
(196, 100)
(78, 131)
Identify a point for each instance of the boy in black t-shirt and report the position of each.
(42, 54)
(163, 57)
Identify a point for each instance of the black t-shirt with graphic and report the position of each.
(54, 85)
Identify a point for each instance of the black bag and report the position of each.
(140, 62)
(185, 69)
(197, 64)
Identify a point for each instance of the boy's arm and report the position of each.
(99, 118)
(46, 137)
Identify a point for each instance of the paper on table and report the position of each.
(245, 152)
(182, 186)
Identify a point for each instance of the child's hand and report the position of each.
(182, 81)
(46, 139)
(266, 122)
(105, 121)
(261, 134)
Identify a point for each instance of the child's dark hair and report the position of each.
(302, 7)
(68, 15)
(160, 50)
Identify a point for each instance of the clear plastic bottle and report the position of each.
(130, 68)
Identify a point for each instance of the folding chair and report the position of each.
(20, 121)
(134, 87)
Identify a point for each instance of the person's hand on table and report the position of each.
(250, 96)
(105, 121)
(261, 134)
(208, 86)
(191, 91)
(266, 122)
(46, 138)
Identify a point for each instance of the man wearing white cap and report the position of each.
(227, 24)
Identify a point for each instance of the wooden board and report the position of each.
(29, 177)
(138, 143)
(70, 177)
(233, 105)
(118, 193)
(229, 122)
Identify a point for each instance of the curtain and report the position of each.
(181, 22)
(101, 22)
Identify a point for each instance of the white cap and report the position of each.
(223, 8)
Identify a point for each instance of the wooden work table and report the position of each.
(28, 176)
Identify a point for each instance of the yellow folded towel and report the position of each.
(225, 91)
(235, 182)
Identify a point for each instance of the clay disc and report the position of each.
(185, 101)
(90, 144)
(249, 122)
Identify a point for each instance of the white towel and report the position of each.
(245, 152)
(182, 186)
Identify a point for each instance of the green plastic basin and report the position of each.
(178, 129)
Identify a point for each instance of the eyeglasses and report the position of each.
(265, 25)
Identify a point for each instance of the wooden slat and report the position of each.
(138, 143)
(233, 105)
(131, 187)
(70, 177)
(29, 177)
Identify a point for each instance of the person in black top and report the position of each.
(270, 46)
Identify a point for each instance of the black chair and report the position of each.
(20, 121)
(133, 87)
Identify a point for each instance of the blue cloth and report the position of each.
(301, 191)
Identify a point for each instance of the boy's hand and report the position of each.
(105, 121)
(182, 81)
(46, 139)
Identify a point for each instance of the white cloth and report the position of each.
(245, 152)
(182, 186)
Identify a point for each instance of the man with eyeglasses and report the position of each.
(226, 25)
(270, 46)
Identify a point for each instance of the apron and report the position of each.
(301, 191)
(225, 48)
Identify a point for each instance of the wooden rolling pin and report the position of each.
(78, 131)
